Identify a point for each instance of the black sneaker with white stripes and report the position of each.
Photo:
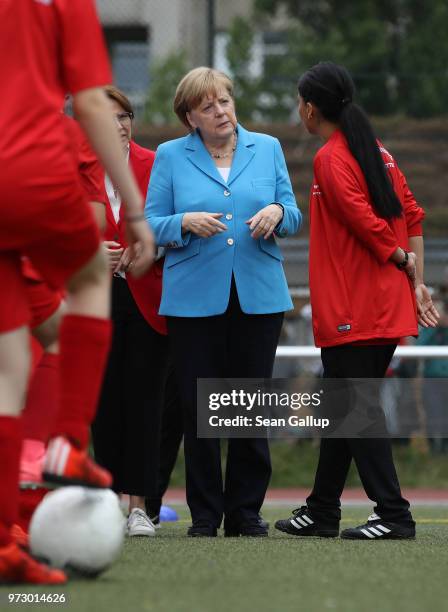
(377, 529)
(301, 523)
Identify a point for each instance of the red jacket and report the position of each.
(146, 290)
(357, 294)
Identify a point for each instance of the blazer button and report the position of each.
(230, 241)
(226, 192)
(229, 216)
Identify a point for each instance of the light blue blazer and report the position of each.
(198, 271)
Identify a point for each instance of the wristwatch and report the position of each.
(402, 265)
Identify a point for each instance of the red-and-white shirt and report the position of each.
(47, 48)
(357, 293)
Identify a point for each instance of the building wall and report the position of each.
(194, 30)
(226, 10)
(173, 24)
(117, 12)
(138, 32)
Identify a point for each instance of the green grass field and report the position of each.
(173, 573)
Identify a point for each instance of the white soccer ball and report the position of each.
(78, 529)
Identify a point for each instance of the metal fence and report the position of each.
(402, 352)
(414, 405)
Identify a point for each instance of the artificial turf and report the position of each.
(173, 573)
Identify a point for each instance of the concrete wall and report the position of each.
(117, 12)
(173, 24)
(226, 10)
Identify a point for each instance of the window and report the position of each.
(129, 52)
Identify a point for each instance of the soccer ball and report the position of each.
(79, 530)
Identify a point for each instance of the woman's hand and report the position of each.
(428, 315)
(265, 221)
(203, 224)
(142, 246)
(125, 261)
(114, 252)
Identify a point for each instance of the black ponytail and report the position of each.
(331, 88)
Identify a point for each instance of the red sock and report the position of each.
(42, 401)
(83, 351)
(10, 443)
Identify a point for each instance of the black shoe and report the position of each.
(256, 528)
(301, 523)
(202, 530)
(377, 529)
(263, 523)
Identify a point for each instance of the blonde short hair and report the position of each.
(196, 84)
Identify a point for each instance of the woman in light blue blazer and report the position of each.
(217, 200)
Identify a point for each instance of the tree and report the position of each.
(239, 57)
(396, 49)
(165, 76)
(423, 82)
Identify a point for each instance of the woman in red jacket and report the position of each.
(366, 270)
(126, 430)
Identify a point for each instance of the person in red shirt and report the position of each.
(47, 309)
(126, 429)
(366, 271)
(46, 217)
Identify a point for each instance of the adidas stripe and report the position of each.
(301, 521)
(375, 532)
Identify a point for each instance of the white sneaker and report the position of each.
(139, 524)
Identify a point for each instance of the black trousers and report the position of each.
(126, 430)
(235, 345)
(372, 456)
(172, 432)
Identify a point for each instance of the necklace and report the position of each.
(224, 155)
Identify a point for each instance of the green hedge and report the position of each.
(294, 464)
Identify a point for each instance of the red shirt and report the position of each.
(91, 172)
(47, 48)
(357, 293)
(91, 176)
